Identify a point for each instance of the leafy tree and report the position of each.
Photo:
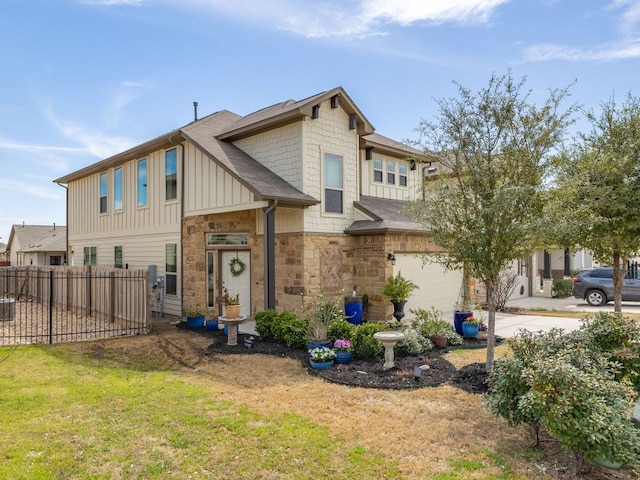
(596, 204)
(492, 147)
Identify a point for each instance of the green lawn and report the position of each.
(70, 416)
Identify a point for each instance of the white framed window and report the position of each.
(117, 256)
(90, 256)
(171, 269)
(104, 188)
(142, 183)
(391, 173)
(378, 171)
(403, 172)
(117, 189)
(171, 174)
(333, 183)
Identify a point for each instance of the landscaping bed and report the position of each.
(368, 373)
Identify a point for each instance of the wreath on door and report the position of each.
(236, 266)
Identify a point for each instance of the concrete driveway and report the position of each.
(507, 325)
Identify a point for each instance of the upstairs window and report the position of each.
(377, 170)
(142, 183)
(171, 174)
(333, 183)
(402, 174)
(117, 189)
(104, 186)
(391, 173)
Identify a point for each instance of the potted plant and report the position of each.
(430, 324)
(231, 303)
(342, 348)
(462, 308)
(195, 317)
(398, 289)
(321, 357)
(320, 313)
(470, 326)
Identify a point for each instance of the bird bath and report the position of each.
(388, 340)
(232, 338)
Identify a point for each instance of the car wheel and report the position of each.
(596, 298)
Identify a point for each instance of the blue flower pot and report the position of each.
(195, 322)
(470, 329)
(212, 325)
(321, 365)
(458, 318)
(342, 357)
(311, 345)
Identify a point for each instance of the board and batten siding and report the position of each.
(85, 219)
(209, 188)
(383, 189)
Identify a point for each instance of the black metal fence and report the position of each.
(44, 304)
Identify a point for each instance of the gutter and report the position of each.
(66, 213)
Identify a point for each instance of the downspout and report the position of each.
(269, 256)
(66, 231)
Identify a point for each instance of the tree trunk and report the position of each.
(491, 327)
(618, 276)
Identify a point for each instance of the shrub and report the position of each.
(320, 312)
(430, 322)
(413, 343)
(265, 321)
(584, 409)
(562, 288)
(363, 344)
(618, 338)
(340, 329)
(292, 330)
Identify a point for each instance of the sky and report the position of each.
(85, 79)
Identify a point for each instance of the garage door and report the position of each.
(438, 288)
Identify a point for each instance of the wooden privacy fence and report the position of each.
(47, 304)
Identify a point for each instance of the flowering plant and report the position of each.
(322, 354)
(471, 320)
(228, 299)
(342, 345)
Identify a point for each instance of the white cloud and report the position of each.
(355, 18)
(125, 93)
(52, 193)
(625, 47)
(112, 2)
(94, 141)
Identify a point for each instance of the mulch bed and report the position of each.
(436, 370)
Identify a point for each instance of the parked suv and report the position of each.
(596, 286)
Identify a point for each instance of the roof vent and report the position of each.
(195, 111)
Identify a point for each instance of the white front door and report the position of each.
(237, 284)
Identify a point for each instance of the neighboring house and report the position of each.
(4, 255)
(288, 200)
(37, 245)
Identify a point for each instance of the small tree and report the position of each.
(597, 201)
(483, 209)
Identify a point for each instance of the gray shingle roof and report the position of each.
(40, 238)
(265, 184)
(387, 217)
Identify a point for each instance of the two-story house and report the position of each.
(292, 198)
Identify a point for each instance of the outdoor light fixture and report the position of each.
(392, 258)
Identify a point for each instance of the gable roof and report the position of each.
(387, 216)
(387, 145)
(293, 110)
(265, 184)
(214, 133)
(39, 238)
